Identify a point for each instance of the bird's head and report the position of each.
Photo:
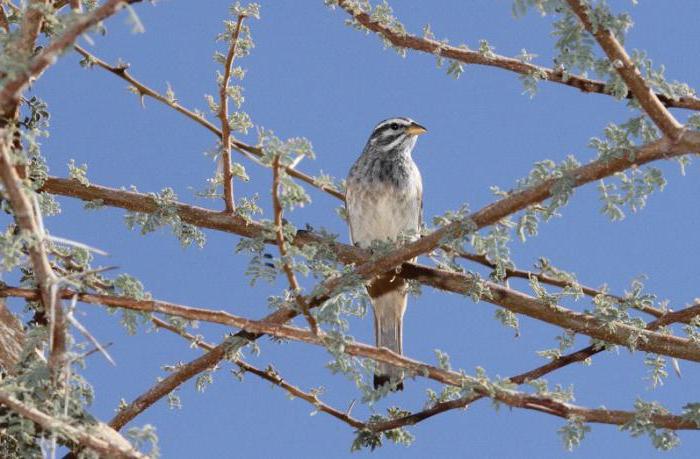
(395, 134)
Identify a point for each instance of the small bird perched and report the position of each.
(384, 198)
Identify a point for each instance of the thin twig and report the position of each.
(467, 56)
(225, 123)
(630, 74)
(270, 375)
(246, 150)
(282, 245)
(13, 87)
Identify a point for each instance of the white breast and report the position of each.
(380, 211)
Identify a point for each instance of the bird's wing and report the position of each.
(348, 192)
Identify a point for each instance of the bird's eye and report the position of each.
(394, 126)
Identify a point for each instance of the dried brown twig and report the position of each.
(13, 87)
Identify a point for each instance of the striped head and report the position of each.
(395, 135)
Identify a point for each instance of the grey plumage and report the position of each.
(384, 199)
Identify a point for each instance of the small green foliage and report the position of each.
(367, 438)
(508, 319)
(78, 173)
(641, 424)
(573, 432)
(657, 369)
(566, 340)
(140, 437)
(203, 380)
(691, 412)
(486, 50)
(12, 244)
(166, 214)
(694, 121)
(443, 359)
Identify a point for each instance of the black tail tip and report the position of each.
(380, 380)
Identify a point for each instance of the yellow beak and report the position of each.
(416, 129)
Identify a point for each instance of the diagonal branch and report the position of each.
(466, 56)
(513, 398)
(628, 71)
(269, 375)
(516, 201)
(169, 384)
(225, 123)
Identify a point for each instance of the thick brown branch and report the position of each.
(269, 375)
(225, 123)
(282, 246)
(629, 73)
(467, 56)
(112, 446)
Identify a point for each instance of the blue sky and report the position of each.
(311, 76)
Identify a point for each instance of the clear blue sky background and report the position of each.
(312, 76)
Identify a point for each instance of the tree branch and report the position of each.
(510, 397)
(617, 333)
(281, 245)
(270, 375)
(553, 281)
(225, 124)
(683, 315)
(113, 446)
(629, 73)
(467, 56)
(237, 145)
(24, 214)
(169, 384)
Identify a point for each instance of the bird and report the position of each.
(383, 199)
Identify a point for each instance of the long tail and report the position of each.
(389, 298)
